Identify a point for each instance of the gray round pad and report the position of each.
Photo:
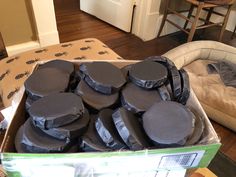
(46, 81)
(37, 141)
(95, 99)
(129, 129)
(72, 130)
(63, 65)
(148, 74)
(137, 99)
(91, 142)
(103, 77)
(56, 110)
(107, 130)
(168, 122)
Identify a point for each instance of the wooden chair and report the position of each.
(200, 5)
(234, 32)
(3, 52)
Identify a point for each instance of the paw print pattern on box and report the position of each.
(15, 70)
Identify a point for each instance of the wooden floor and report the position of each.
(74, 24)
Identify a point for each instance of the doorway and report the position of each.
(64, 6)
(74, 24)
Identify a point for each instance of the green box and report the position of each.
(122, 163)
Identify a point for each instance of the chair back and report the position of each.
(220, 2)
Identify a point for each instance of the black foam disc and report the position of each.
(95, 99)
(107, 131)
(18, 141)
(46, 81)
(198, 130)
(161, 59)
(103, 77)
(63, 65)
(56, 110)
(168, 122)
(130, 130)
(72, 130)
(175, 81)
(91, 141)
(185, 87)
(37, 141)
(137, 99)
(148, 74)
(164, 93)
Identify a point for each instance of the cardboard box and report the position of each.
(138, 163)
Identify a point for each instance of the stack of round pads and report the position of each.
(103, 108)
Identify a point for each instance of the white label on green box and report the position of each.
(185, 160)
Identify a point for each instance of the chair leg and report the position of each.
(194, 25)
(233, 32)
(225, 23)
(189, 16)
(164, 18)
(209, 16)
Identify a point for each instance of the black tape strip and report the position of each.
(161, 59)
(175, 81)
(185, 87)
(165, 95)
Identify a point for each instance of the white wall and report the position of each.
(146, 19)
(46, 27)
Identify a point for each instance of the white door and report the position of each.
(116, 12)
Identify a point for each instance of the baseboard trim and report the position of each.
(49, 38)
(19, 48)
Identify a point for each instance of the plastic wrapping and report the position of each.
(28, 103)
(175, 81)
(168, 122)
(185, 87)
(148, 74)
(56, 110)
(164, 93)
(45, 82)
(107, 130)
(109, 80)
(138, 100)
(72, 130)
(91, 142)
(95, 99)
(169, 89)
(129, 129)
